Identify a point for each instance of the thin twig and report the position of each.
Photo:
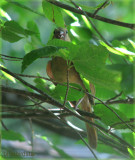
(118, 95)
(7, 59)
(26, 116)
(32, 76)
(82, 139)
(86, 15)
(4, 126)
(32, 134)
(78, 103)
(87, 114)
(118, 123)
(3, 55)
(86, 144)
(97, 10)
(128, 100)
(65, 100)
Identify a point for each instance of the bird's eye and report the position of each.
(55, 31)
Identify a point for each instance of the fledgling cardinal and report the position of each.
(57, 70)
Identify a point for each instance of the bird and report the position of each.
(57, 70)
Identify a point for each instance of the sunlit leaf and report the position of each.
(71, 15)
(2, 158)
(82, 33)
(8, 76)
(4, 14)
(131, 152)
(118, 51)
(132, 43)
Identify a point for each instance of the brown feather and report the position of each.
(57, 70)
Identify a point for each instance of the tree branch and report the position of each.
(27, 94)
(66, 109)
(128, 100)
(107, 20)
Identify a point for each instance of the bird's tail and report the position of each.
(91, 131)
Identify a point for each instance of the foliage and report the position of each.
(26, 31)
(11, 135)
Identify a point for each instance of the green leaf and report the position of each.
(81, 33)
(35, 40)
(1, 158)
(61, 43)
(41, 83)
(118, 50)
(129, 137)
(9, 36)
(53, 13)
(127, 72)
(60, 151)
(3, 2)
(8, 76)
(34, 28)
(89, 8)
(109, 118)
(73, 94)
(24, 7)
(11, 135)
(128, 109)
(59, 21)
(90, 62)
(101, 148)
(71, 48)
(28, 47)
(38, 53)
(14, 27)
(48, 10)
(132, 43)
(104, 93)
